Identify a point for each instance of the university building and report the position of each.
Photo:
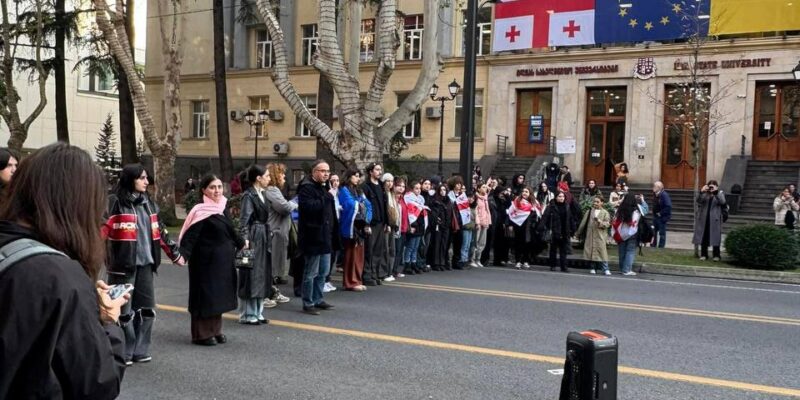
(593, 106)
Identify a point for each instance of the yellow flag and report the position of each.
(746, 16)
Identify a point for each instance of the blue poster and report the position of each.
(536, 129)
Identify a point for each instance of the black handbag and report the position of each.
(244, 259)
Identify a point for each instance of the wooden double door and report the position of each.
(532, 102)
(776, 122)
(605, 147)
(677, 161)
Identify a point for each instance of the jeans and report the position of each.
(601, 265)
(412, 247)
(660, 232)
(314, 273)
(251, 309)
(480, 242)
(627, 254)
(466, 241)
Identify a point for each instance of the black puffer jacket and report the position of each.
(317, 225)
(122, 230)
(563, 228)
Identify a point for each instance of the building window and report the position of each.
(367, 45)
(92, 82)
(265, 54)
(311, 103)
(258, 104)
(413, 28)
(478, 113)
(607, 102)
(778, 109)
(309, 43)
(200, 119)
(412, 130)
(484, 44)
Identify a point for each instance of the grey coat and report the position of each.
(714, 223)
(280, 219)
(255, 282)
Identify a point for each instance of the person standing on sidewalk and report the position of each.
(417, 224)
(393, 213)
(135, 237)
(595, 225)
(316, 227)
(354, 229)
(375, 268)
(785, 208)
(624, 230)
(483, 221)
(280, 220)
(337, 256)
(708, 221)
(559, 221)
(662, 214)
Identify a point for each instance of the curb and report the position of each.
(721, 273)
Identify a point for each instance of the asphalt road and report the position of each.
(486, 334)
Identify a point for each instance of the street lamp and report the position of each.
(468, 122)
(263, 116)
(453, 88)
(796, 72)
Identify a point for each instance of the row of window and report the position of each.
(410, 46)
(201, 117)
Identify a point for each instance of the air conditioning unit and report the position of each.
(280, 148)
(433, 112)
(276, 115)
(237, 115)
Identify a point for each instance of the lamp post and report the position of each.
(796, 72)
(468, 123)
(453, 88)
(263, 116)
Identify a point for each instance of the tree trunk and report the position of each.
(62, 122)
(127, 116)
(220, 84)
(164, 165)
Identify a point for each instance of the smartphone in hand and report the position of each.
(117, 291)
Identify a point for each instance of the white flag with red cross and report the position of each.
(573, 28)
(514, 33)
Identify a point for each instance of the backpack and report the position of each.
(644, 230)
(13, 252)
(726, 212)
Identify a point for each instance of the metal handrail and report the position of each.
(502, 146)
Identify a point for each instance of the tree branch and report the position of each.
(388, 42)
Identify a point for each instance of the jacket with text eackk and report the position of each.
(121, 231)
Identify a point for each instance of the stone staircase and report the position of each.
(508, 167)
(764, 181)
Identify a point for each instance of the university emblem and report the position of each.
(645, 68)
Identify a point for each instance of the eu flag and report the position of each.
(641, 20)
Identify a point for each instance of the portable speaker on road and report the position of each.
(590, 370)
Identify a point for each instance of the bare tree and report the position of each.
(162, 145)
(363, 134)
(25, 32)
(221, 88)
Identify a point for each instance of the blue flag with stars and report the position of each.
(641, 20)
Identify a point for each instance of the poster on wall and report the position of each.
(565, 146)
(536, 129)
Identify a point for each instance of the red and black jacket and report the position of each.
(120, 231)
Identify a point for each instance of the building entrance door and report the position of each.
(532, 102)
(677, 160)
(605, 134)
(776, 122)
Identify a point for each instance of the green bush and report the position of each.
(190, 200)
(764, 246)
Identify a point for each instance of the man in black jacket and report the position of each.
(316, 226)
(375, 267)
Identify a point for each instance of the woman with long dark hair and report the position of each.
(8, 165)
(624, 230)
(255, 282)
(544, 195)
(209, 241)
(59, 336)
(441, 222)
(523, 215)
(135, 238)
(559, 221)
(354, 228)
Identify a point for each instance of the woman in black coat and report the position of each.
(558, 220)
(502, 241)
(441, 221)
(209, 241)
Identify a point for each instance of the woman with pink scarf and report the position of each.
(209, 241)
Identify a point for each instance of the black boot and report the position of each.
(408, 270)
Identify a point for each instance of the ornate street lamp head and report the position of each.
(263, 116)
(454, 88)
(249, 117)
(796, 72)
(433, 91)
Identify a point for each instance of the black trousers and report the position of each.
(375, 255)
(559, 246)
(501, 245)
(455, 244)
(521, 247)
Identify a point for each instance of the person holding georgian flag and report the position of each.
(524, 213)
(464, 208)
(417, 223)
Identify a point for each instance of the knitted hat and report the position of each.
(387, 177)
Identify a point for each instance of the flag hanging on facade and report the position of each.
(525, 24)
(642, 20)
(572, 28)
(740, 16)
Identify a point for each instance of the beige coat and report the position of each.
(594, 249)
(781, 207)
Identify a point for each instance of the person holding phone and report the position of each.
(59, 336)
(785, 208)
(708, 221)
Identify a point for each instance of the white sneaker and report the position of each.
(328, 288)
(629, 273)
(280, 299)
(518, 266)
(716, 259)
(526, 266)
(703, 258)
(270, 303)
(591, 271)
(607, 273)
(388, 279)
(401, 275)
(473, 264)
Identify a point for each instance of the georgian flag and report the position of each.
(416, 208)
(520, 209)
(514, 33)
(572, 28)
(462, 204)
